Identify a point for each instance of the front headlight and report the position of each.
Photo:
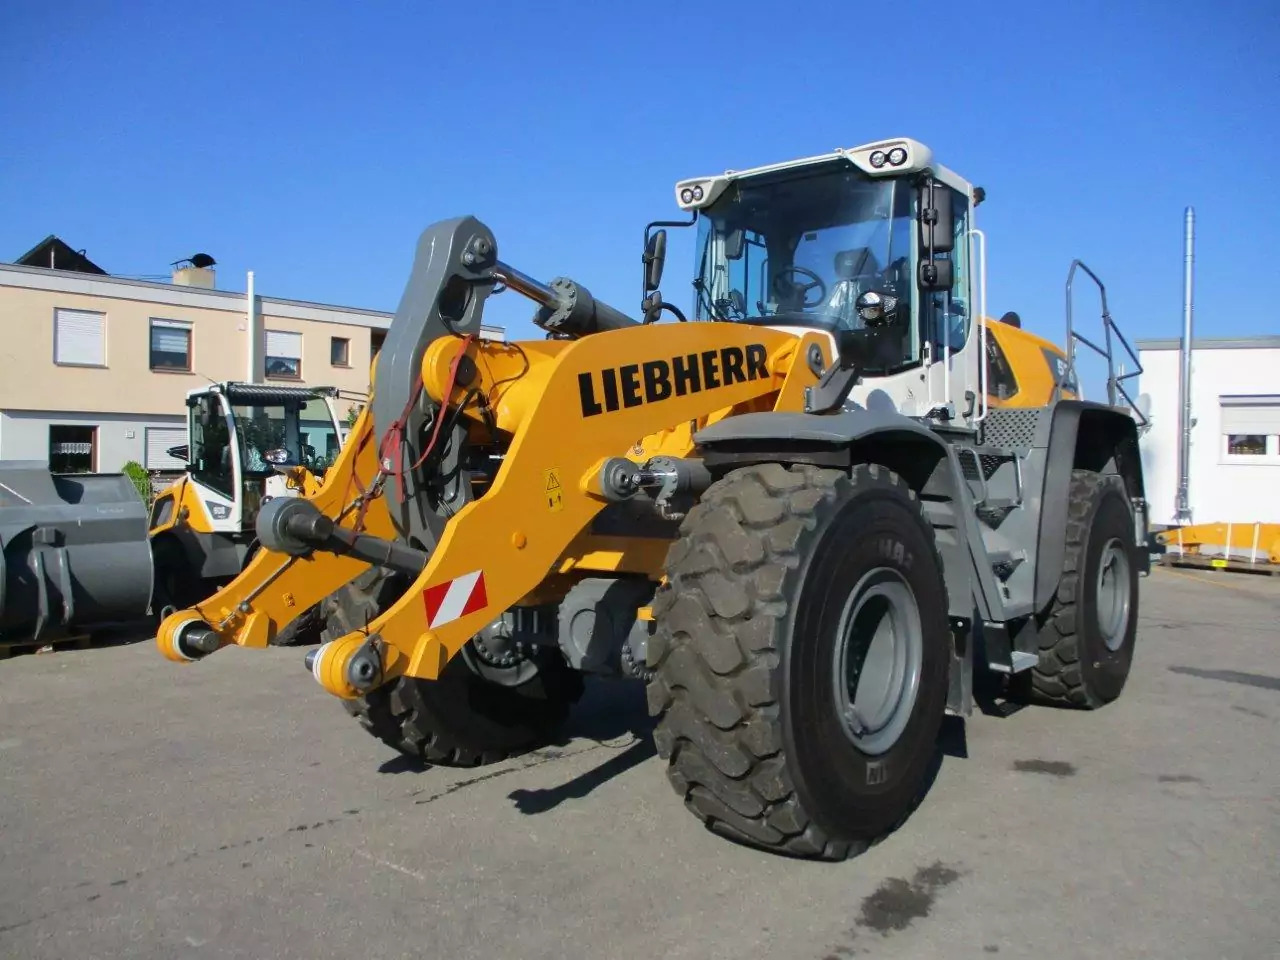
(876, 308)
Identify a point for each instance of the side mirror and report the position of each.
(936, 274)
(655, 257)
(937, 222)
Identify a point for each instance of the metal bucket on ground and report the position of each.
(73, 551)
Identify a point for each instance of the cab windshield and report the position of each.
(306, 431)
(798, 249)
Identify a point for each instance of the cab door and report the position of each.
(214, 467)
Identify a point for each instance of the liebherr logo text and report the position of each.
(634, 384)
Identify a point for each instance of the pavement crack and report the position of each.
(26, 923)
(532, 759)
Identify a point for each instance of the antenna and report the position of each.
(199, 261)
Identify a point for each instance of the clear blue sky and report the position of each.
(312, 142)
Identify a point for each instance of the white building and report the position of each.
(1234, 474)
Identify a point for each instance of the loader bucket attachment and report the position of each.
(73, 551)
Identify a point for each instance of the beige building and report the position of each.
(94, 369)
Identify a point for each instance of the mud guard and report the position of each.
(910, 449)
(1107, 444)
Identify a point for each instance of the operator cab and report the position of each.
(241, 434)
(872, 242)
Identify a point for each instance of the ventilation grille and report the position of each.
(991, 463)
(1011, 428)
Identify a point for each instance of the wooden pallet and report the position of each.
(1232, 565)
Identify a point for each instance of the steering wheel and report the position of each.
(816, 283)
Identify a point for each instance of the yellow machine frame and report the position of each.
(544, 525)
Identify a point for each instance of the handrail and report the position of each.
(1115, 384)
(981, 407)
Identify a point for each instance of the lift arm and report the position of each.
(563, 413)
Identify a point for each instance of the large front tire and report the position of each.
(801, 658)
(460, 719)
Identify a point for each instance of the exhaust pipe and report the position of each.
(1182, 503)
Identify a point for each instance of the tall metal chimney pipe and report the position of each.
(1182, 505)
(253, 334)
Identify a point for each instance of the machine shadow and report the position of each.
(530, 802)
(609, 709)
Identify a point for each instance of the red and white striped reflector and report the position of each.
(455, 598)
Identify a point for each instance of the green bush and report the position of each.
(141, 480)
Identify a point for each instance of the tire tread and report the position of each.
(717, 683)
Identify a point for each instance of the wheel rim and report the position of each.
(1113, 594)
(878, 657)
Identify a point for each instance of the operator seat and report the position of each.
(858, 271)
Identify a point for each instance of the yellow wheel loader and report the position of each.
(247, 444)
(805, 516)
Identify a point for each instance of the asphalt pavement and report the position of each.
(232, 809)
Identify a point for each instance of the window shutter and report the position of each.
(1251, 415)
(79, 337)
(283, 344)
(159, 440)
(170, 336)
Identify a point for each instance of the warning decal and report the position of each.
(552, 490)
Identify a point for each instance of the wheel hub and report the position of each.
(878, 661)
(1112, 594)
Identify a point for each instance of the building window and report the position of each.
(1247, 444)
(79, 338)
(284, 355)
(170, 345)
(72, 449)
(1250, 426)
(340, 352)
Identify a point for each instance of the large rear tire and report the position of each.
(1087, 640)
(461, 719)
(801, 658)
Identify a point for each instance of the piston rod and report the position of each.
(522, 283)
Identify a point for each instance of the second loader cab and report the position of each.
(247, 443)
(250, 442)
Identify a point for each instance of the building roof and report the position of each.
(1262, 341)
(53, 253)
(177, 295)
